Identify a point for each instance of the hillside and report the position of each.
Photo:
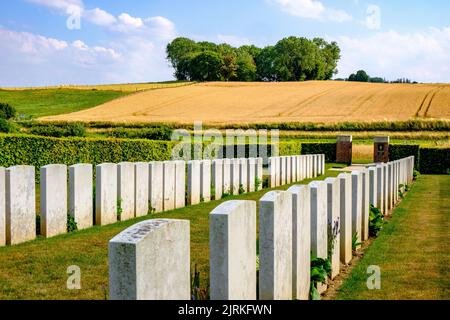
(315, 101)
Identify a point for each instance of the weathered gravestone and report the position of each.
(106, 208)
(81, 206)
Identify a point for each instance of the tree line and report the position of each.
(291, 59)
(362, 76)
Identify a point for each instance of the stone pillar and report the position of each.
(373, 186)
(141, 185)
(390, 169)
(217, 178)
(356, 204)
(344, 149)
(310, 167)
(226, 176)
(283, 163)
(314, 165)
(20, 194)
(151, 261)
(168, 185)
(235, 172)
(345, 189)
(298, 160)
(301, 242)
(380, 195)
(180, 184)
(106, 194)
(156, 176)
(275, 246)
(334, 223)
(288, 170)
(194, 182)
(365, 204)
(2, 208)
(251, 174)
(381, 149)
(278, 170)
(205, 180)
(259, 173)
(125, 190)
(243, 174)
(53, 200)
(385, 189)
(81, 206)
(232, 235)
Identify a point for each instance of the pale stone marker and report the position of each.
(389, 186)
(169, 185)
(233, 251)
(322, 164)
(283, 163)
(315, 164)
(298, 159)
(373, 186)
(310, 167)
(243, 174)
(259, 173)
(106, 194)
(385, 189)
(226, 177)
(53, 200)
(2, 208)
(319, 217)
(194, 182)
(205, 180)
(156, 185)
(275, 246)
(278, 169)
(301, 242)
(345, 186)
(272, 173)
(141, 200)
(380, 200)
(180, 184)
(288, 170)
(365, 204)
(356, 204)
(217, 178)
(20, 193)
(235, 173)
(151, 261)
(81, 206)
(294, 169)
(251, 174)
(125, 190)
(334, 223)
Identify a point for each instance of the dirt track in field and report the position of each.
(314, 101)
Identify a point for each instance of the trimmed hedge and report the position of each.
(434, 161)
(397, 152)
(329, 149)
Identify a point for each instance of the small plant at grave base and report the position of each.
(401, 194)
(38, 224)
(241, 189)
(416, 174)
(333, 232)
(258, 183)
(265, 183)
(151, 210)
(213, 193)
(376, 221)
(407, 188)
(72, 225)
(320, 271)
(225, 195)
(119, 209)
(198, 293)
(355, 243)
(202, 199)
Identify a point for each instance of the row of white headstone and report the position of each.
(290, 169)
(151, 260)
(122, 191)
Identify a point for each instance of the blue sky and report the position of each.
(48, 42)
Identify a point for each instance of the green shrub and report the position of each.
(158, 133)
(6, 126)
(397, 152)
(376, 221)
(320, 270)
(328, 149)
(50, 130)
(7, 111)
(434, 161)
(72, 225)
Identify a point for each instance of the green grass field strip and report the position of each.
(413, 251)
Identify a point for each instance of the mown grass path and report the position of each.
(413, 251)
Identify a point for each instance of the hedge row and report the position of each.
(329, 149)
(434, 161)
(397, 152)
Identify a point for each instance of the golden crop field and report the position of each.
(314, 101)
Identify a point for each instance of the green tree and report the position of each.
(206, 66)
(180, 52)
(360, 76)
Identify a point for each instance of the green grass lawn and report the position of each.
(37, 269)
(413, 251)
(48, 102)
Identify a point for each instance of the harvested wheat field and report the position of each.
(315, 101)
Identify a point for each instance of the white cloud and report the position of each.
(161, 27)
(421, 56)
(100, 17)
(59, 4)
(80, 45)
(312, 9)
(128, 20)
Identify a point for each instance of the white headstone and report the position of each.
(356, 205)
(259, 173)
(283, 173)
(151, 261)
(301, 242)
(275, 246)
(81, 198)
(2, 208)
(205, 180)
(194, 176)
(272, 172)
(235, 173)
(251, 174)
(334, 223)
(278, 168)
(385, 189)
(156, 185)
(169, 185)
(243, 174)
(20, 204)
(217, 178)
(141, 200)
(106, 194)
(233, 251)
(180, 184)
(373, 186)
(288, 170)
(53, 200)
(380, 193)
(365, 204)
(125, 190)
(226, 177)
(345, 184)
